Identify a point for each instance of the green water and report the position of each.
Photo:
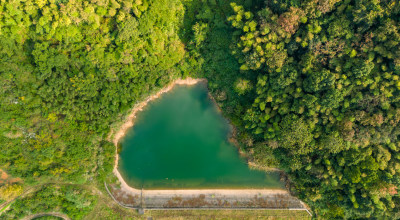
(180, 141)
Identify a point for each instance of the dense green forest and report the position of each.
(313, 87)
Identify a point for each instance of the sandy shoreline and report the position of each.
(214, 191)
(139, 107)
(130, 122)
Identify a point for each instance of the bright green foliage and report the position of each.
(242, 86)
(69, 69)
(106, 159)
(69, 199)
(10, 191)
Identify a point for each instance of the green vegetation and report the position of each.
(9, 191)
(4, 208)
(312, 85)
(317, 84)
(68, 199)
(229, 214)
(64, 66)
(107, 211)
(327, 94)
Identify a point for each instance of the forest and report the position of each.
(313, 87)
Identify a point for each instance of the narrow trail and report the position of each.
(27, 191)
(207, 199)
(57, 214)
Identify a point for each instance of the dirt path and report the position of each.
(38, 187)
(57, 214)
(205, 199)
(5, 178)
(29, 190)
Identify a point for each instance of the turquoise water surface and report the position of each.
(181, 141)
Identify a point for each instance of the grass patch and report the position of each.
(227, 214)
(106, 208)
(109, 210)
(4, 208)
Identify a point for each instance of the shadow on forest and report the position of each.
(209, 39)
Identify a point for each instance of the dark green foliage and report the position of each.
(296, 135)
(327, 98)
(317, 81)
(106, 158)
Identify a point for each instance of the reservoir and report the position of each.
(180, 140)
